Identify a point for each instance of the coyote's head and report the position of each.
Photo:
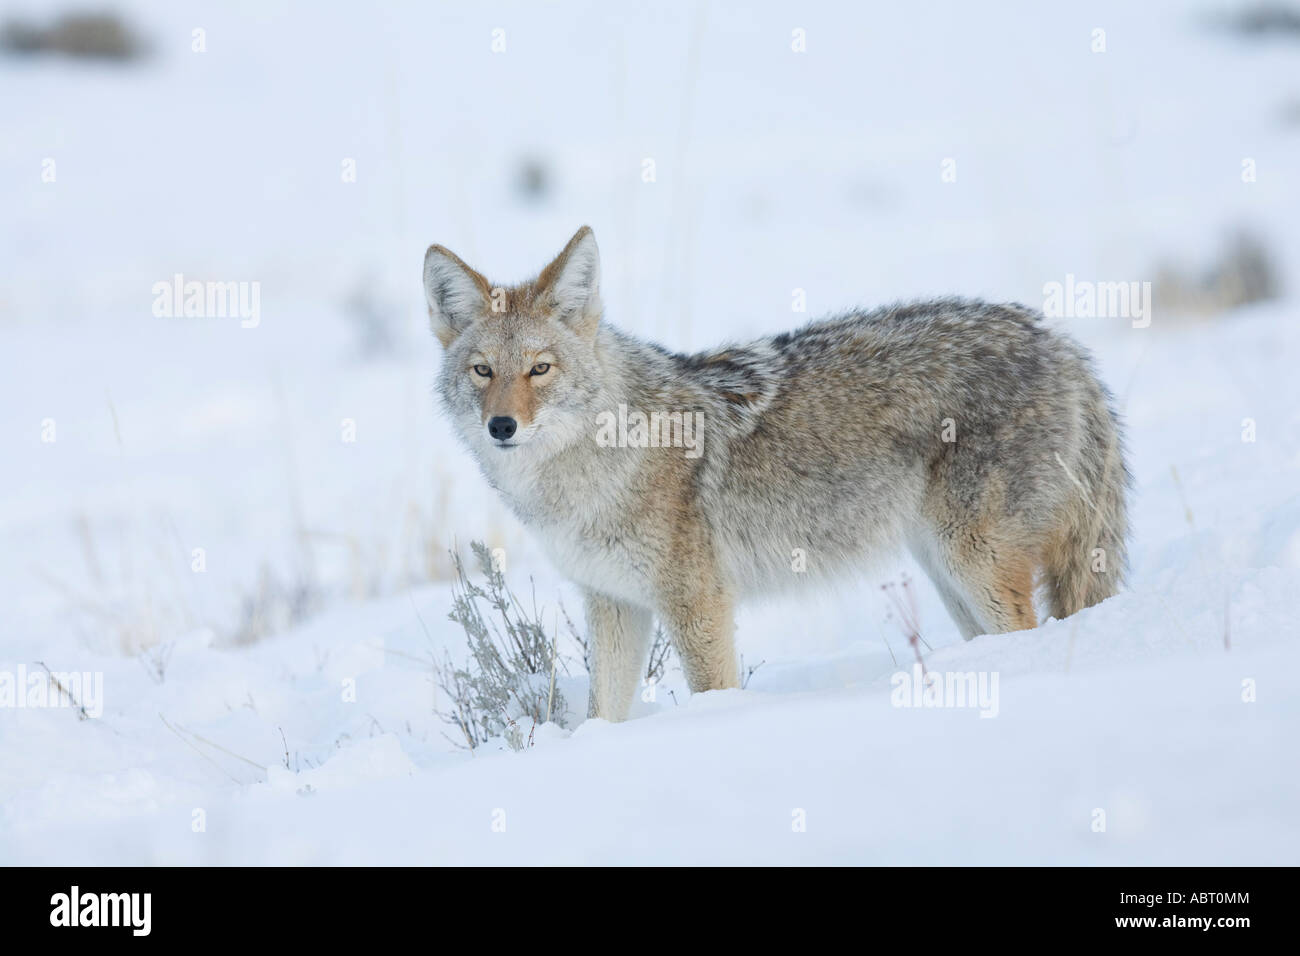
(517, 376)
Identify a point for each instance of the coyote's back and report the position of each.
(968, 432)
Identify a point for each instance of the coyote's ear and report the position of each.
(457, 295)
(572, 283)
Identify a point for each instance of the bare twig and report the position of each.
(550, 699)
(81, 711)
(908, 616)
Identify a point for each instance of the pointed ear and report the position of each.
(457, 295)
(572, 283)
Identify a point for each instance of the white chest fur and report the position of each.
(580, 530)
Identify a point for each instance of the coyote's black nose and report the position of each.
(501, 428)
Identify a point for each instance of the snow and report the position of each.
(1173, 708)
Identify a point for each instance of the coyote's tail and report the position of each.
(1088, 558)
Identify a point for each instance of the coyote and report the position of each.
(965, 432)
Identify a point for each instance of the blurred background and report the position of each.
(745, 166)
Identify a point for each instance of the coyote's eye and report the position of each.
(483, 371)
(541, 368)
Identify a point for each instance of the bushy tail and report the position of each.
(1088, 559)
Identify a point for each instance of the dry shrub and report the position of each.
(83, 35)
(510, 674)
(1243, 272)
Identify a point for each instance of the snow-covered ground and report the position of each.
(278, 705)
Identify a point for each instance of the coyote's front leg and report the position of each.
(618, 639)
(699, 614)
